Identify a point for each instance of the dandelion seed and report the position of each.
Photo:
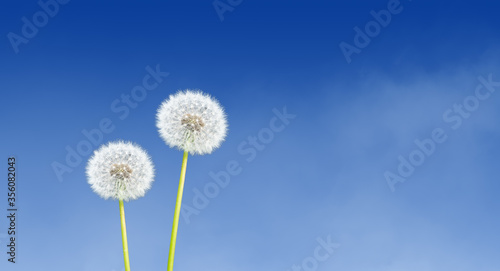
(192, 121)
(120, 171)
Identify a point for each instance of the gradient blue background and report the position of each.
(322, 175)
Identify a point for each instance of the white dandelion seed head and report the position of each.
(121, 171)
(192, 121)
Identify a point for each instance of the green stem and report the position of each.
(177, 212)
(124, 237)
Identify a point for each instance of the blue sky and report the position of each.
(322, 177)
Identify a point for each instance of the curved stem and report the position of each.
(177, 212)
(124, 237)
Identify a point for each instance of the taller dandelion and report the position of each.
(195, 123)
(121, 171)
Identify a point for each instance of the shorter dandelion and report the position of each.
(120, 171)
(195, 123)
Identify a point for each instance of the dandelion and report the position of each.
(120, 171)
(195, 123)
(192, 121)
